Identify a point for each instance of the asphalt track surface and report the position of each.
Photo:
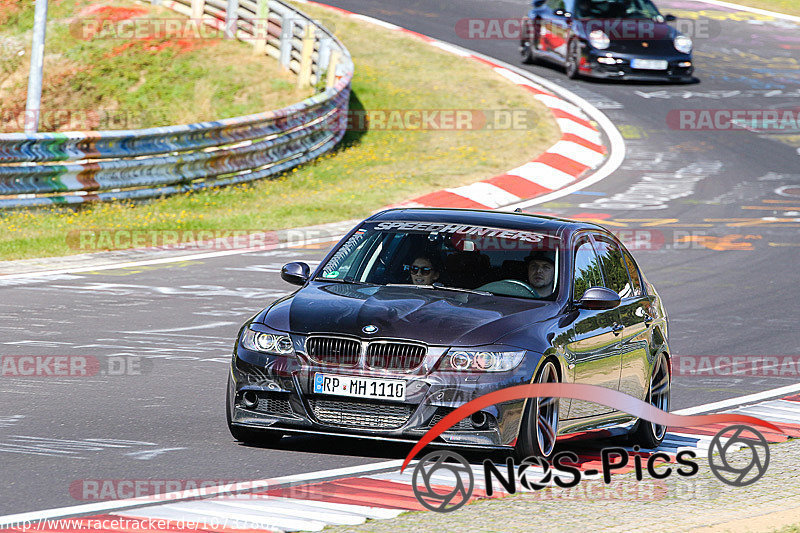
(164, 419)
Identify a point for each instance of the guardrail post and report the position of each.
(198, 6)
(333, 64)
(287, 34)
(231, 19)
(304, 76)
(261, 27)
(324, 54)
(33, 103)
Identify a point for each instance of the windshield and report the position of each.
(622, 9)
(436, 256)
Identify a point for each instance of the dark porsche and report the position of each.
(417, 311)
(622, 39)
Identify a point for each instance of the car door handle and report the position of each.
(617, 328)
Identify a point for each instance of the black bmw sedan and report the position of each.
(417, 311)
(622, 39)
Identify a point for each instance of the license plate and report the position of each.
(649, 64)
(358, 387)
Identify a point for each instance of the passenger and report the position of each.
(423, 271)
(541, 272)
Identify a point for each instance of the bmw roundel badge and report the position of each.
(369, 329)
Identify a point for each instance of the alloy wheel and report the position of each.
(659, 392)
(547, 413)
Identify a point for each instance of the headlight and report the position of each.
(257, 341)
(480, 361)
(683, 44)
(599, 39)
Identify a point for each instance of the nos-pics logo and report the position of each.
(444, 481)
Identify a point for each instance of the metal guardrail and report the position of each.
(75, 167)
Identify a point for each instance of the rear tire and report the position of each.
(539, 428)
(246, 435)
(645, 433)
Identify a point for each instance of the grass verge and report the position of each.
(102, 72)
(370, 169)
(788, 7)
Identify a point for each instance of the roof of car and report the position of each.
(502, 219)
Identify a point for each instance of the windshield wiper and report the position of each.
(440, 287)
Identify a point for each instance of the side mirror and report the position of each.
(670, 18)
(598, 298)
(295, 273)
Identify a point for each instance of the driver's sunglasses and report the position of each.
(418, 269)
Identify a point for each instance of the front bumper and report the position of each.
(283, 387)
(677, 69)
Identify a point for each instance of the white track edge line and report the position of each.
(174, 497)
(740, 400)
(756, 10)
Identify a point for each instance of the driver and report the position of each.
(541, 272)
(423, 271)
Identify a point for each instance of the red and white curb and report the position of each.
(369, 492)
(579, 150)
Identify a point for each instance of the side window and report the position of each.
(633, 272)
(587, 269)
(555, 5)
(344, 264)
(614, 270)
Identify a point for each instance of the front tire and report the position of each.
(539, 428)
(647, 434)
(573, 60)
(528, 44)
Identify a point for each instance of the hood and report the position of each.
(629, 35)
(435, 317)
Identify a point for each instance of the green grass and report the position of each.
(789, 7)
(369, 170)
(156, 80)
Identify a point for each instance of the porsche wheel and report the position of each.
(573, 60)
(528, 44)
